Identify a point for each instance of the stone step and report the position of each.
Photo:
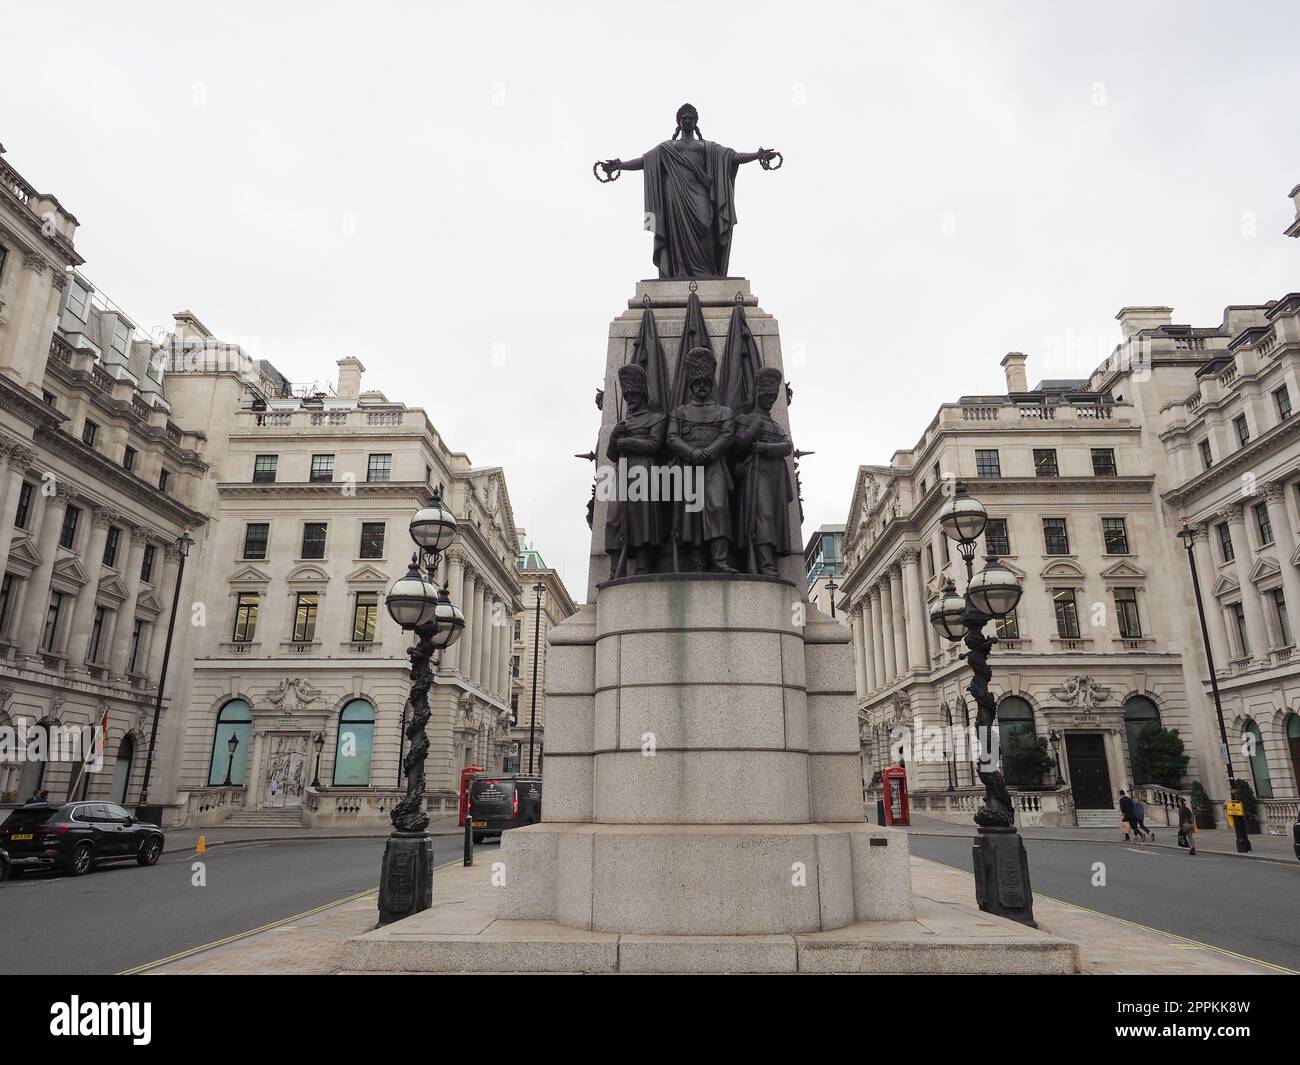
(265, 819)
(1096, 818)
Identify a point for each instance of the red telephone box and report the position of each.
(463, 802)
(897, 809)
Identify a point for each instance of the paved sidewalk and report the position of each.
(313, 943)
(1217, 841)
(185, 840)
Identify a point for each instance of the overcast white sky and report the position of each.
(411, 184)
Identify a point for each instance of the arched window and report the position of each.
(235, 719)
(355, 741)
(1139, 712)
(122, 769)
(1293, 742)
(1015, 725)
(37, 758)
(1258, 762)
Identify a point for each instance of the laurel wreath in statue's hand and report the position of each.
(765, 157)
(612, 167)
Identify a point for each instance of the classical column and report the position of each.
(151, 664)
(507, 645)
(121, 654)
(868, 637)
(859, 659)
(901, 615)
(887, 631)
(11, 482)
(915, 615)
(476, 662)
(493, 668)
(1256, 632)
(877, 641)
(83, 613)
(1284, 538)
(1213, 608)
(465, 658)
(38, 592)
(450, 659)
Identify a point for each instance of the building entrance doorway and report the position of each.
(286, 770)
(1089, 774)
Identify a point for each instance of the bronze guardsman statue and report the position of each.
(636, 525)
(700, 437)
(763, 479)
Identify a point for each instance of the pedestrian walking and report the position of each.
(1140, 822)
(1186, 826)
(1125, 814)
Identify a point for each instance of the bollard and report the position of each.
(469, 835)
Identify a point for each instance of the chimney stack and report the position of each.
(350, 371)
(1133, 320)
(1014, 364)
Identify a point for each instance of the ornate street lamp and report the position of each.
(419, 606)
(992, 593)
(1054, 738)
(232, 745)
(319, 744)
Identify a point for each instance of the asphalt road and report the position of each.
(121, 916)
(1239, 904)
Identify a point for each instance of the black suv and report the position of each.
(77, 836)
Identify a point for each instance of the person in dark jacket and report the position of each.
(1186, 826)
(1140, 821)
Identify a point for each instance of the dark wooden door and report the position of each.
(1089, 774)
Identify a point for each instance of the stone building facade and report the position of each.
(97, 485)
(531, 627)
(297, 660)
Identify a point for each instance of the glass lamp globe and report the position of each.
(963, 518)
(434, 526)
(412, 600)
(450, 620)
(994, 590)
(946, 613)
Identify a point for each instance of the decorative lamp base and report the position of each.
(1002, 875)
(406, 879)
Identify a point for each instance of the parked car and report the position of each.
(4, 865)
(77, 836)
(499, 802)
(1295, 837)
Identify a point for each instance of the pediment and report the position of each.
(70, 569)
(1123, 571)
(1225, 585)
(1063, 569)
(367, 574)
(23, 556)
(111, 586)
(1295, 557)
(1010, 566)
(1264, 568)
(249, 575)
(307, 573)
(149, 603)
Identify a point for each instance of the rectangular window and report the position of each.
(78, 300)
(1103, 462)
(1239, 623)
(379, 467)
(96, 634)
(110, 545)
(68, 535)
(514, 665)
(519, 631)
(1067, 614)
(137, 631)
(163, 477)
(365, 617)
(245, 617)
(128, 459)
(1282, 398)
(1283, 622)
(986, 463)
(256, 535)
(996, 539)
(50, 399)
(1243, 430)
(929, 561)
(1126, 608)
(51, 632)
(6, 598)
(24, 510)
(264, 469)
(1225, 542)
(146, 563)
(943, 543)
(1207, 456)
(88, 431)
(304, 617)
(1265, 526)
(313, 539)
(1056, 538)
(1045, 462)
(121, 337)
(322, 467)
(1115, 536)
(372, 539)
(1007, 628)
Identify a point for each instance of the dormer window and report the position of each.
(78, 301)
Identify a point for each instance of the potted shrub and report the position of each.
(1202, 808)
(1160, 752)
(1248, 803)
